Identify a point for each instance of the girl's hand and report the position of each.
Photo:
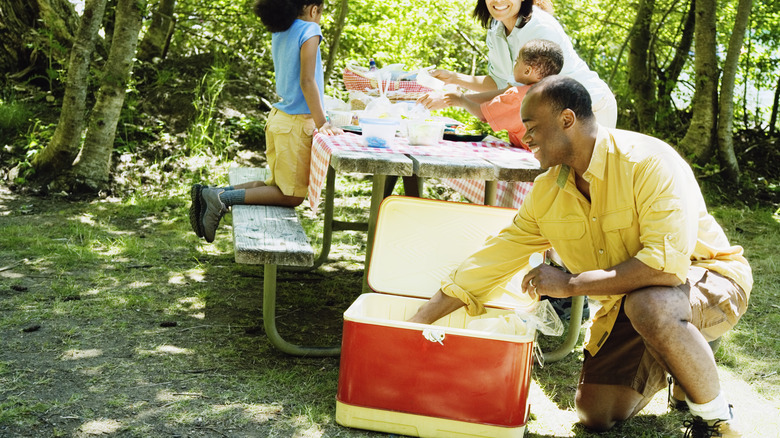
(328, 129)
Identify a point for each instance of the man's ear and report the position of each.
(568, 118)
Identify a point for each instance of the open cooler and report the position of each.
(442, 380)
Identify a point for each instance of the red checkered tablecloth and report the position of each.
(508, 194)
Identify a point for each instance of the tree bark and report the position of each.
(334, 47)
(639, 80)
(59, 154)
(669, 77)
(25, 46)
(775, 107)
(726, 113)
(92, 167)
(699, 140)
(156, 39)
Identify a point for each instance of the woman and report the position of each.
(511, 24)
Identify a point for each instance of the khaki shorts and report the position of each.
(717, 303)
(288, 151)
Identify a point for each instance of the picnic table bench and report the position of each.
(271, 236)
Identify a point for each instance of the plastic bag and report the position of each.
(509, 324)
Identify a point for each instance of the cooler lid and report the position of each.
(418, 242)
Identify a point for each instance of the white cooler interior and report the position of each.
(393, 310)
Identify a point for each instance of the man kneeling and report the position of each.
(626, 216)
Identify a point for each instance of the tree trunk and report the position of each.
(775, 105)
(23, 48)
(639, 80)
(157, 38)
(334, 47)
(668, 78)
(726, 113)
(59, 154)
(91, 169)
(698, 142)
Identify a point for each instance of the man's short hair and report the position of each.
(562, 92)
(544, 56)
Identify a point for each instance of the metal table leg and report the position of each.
(269, 322)
(490, 192)
(573, 333)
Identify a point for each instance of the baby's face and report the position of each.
(524, 74)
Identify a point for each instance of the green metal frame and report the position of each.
(269, 322)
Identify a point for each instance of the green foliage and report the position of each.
(14, 117)
(206, 133)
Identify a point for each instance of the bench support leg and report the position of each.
(573, 333)
(269, 321)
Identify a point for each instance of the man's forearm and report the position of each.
(437, 307)
(623, 278)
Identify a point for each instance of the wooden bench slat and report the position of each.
(266, 234)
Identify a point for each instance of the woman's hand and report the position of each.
(328, 129)
(445, 76)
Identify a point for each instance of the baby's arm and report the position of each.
(472, 102)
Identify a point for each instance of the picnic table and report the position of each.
(474, 168)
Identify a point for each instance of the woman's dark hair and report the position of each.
(279, 15)
(562, 92)
(482, 14)
(544, 56)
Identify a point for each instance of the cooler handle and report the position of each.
(434, 335)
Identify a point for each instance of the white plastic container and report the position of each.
(424, 132)
(340, 118)
(378, 132)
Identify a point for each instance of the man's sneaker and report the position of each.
(699, 428)
(213, 210)
(195, 209)
(676, 396)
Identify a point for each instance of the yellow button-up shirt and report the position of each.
(645, 203)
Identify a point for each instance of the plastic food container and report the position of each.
(378, 133)
(424, 132)
(340, 118)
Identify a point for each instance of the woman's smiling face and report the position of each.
(505, 11)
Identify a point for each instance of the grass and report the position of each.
(144, 331)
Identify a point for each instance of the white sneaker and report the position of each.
(700, 428)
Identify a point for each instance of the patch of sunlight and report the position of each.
(757, 414)
(256, 413)
(139, 284)
(177, 279)
(99, 427)
(87, 219)
(313, 431)
(166, 349)
(191, 303)
(196, 274)
(168, 396)
(75, 354)
(10, 274)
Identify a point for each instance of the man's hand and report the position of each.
(546, 280)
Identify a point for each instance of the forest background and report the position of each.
(110, 109)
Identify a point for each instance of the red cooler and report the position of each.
(442, 380)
